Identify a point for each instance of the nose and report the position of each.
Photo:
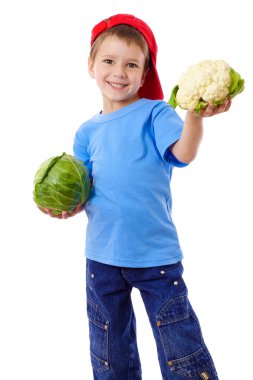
(119, 71)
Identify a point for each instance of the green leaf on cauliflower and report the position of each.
(236, 85)
(201, 106)
(173, 97)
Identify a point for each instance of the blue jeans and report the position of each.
(182, 353)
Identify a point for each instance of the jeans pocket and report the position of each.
(99, 334)
(182, 340)
(175, 310)
(195, 366)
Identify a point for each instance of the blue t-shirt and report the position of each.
(129, 211)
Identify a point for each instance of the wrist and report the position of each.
(194, 119)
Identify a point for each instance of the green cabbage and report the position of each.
(61, 183)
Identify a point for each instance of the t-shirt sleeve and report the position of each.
(80, 149)
(168, 127)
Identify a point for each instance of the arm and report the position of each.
(186, 148)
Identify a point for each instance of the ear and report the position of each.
(144, 77)
(91, 68)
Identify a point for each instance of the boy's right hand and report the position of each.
(64, 214)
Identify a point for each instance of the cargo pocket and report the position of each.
(99, 331)
(182, 340)
(197, 365)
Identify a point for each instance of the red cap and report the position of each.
(151, 88)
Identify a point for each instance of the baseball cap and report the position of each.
(151, 88)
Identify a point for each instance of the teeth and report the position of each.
(117, 85)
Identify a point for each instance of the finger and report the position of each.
(227, 105)
(64, 215)
(211, 109)
(208, 111)
(79, 207)
(76, 210)
(50, 213)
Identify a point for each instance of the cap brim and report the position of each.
(151, 88)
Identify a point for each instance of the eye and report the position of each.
(108, 61)
(132, 65)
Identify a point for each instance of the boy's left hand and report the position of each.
(64, 214)
(212, 110)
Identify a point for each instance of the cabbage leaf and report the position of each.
(61, 183)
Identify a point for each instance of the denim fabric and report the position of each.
(182, 353)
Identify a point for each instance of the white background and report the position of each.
(46, 94)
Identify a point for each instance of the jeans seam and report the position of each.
(105, 349)
(163, 346)
(192, 314)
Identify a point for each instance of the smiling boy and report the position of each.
(131, 148)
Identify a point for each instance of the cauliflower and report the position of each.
(206, 82)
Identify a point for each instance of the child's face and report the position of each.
(118, 69)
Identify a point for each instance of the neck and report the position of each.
(109, 106)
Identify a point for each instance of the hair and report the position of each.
(128, 34)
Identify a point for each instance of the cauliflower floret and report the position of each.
(215, 92)
(207, 80)
(186, 100)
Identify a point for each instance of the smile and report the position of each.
(117, 85)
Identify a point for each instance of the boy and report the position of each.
(130, 149)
